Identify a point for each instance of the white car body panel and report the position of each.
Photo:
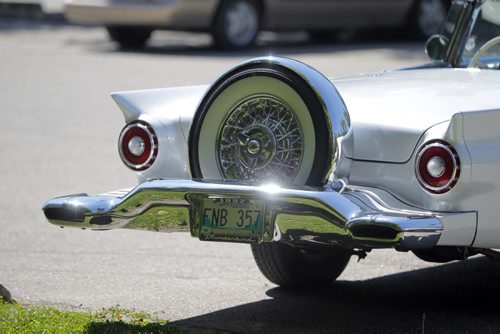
(166, 110)
(374, 102)
(482, 137)
(392, 133)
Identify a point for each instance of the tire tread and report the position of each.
(270, 268)
(288, 266)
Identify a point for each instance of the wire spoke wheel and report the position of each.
(260, 140)
(258, 128)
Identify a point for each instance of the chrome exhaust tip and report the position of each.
(376, 230)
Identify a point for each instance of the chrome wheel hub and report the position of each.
(261, 139)
(257, 145)
(253, 146)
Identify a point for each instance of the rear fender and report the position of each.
(170, 112)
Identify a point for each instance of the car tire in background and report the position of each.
(129, 37)
(236, 24)
(427, 17)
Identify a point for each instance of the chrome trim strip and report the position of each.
(298, 215)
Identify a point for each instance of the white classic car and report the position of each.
(311, 171)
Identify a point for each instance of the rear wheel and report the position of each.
(265, 123)
(129, 37)
(293, 267)
(236, 24)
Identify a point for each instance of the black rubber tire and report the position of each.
(293, 267)
(129, 37)
(416, 29)
(219, 28)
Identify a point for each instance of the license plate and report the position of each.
(229, 219)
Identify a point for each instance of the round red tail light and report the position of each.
(437, 167)
(138, 145)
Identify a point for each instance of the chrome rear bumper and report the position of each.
(299, 215)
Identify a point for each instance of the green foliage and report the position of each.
(162, 218)
(15, 318)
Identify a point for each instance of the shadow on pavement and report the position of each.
(199, 45)
(398, 49)
(460, 297)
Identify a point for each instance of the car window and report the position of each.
(483, 41)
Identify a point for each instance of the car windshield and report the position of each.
(480, 45)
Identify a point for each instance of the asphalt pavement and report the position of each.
(58, 136)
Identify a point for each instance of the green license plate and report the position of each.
(230, 219)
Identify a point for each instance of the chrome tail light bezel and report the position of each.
(150, 139)
(424, 177)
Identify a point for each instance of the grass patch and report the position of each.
(16, 318)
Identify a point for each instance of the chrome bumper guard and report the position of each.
(298, 215)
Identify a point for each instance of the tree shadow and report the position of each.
(460, 297)
(113, 327)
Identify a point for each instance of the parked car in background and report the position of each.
(311, 170)
(236, 23)
(27, 6)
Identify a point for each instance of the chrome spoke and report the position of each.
(262, 138)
